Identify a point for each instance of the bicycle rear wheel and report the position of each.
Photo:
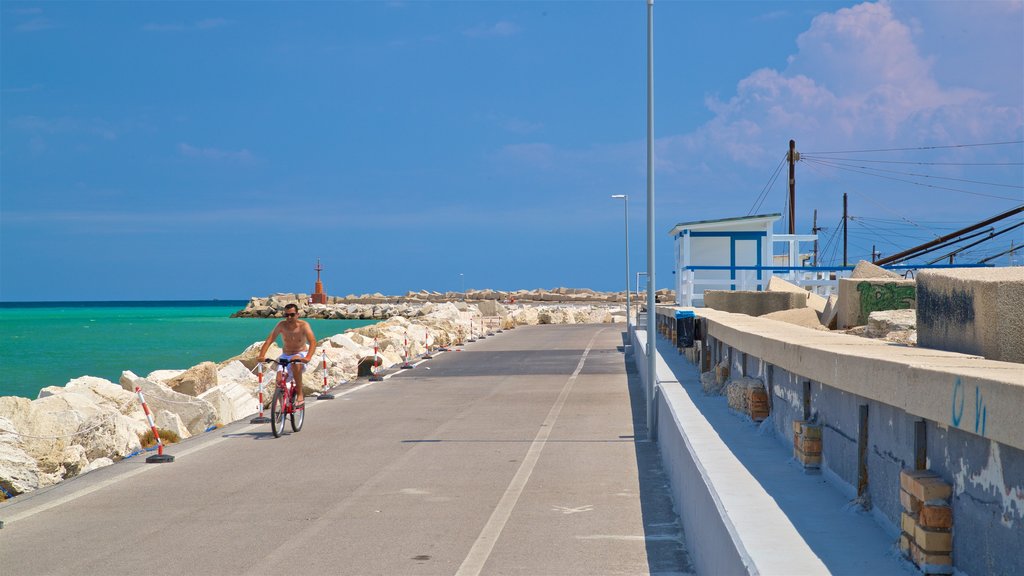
(298, 414)
(277, 413)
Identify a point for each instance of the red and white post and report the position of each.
(325, 395)
(159, 457)
(261, 419)
(405, 364)
(426, 345)
(375, 374)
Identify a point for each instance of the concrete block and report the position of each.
(973, 310)
(859, 297)
(814, 301)
(931, 562)
(753, 303)
(931, 490)
(830, 315)
(909, 477)
(809, 445)
(810, 430)
(910, 504)
(936, 516)
(925, 485)
(908, 522)
(933, 540)
(808, 460)
(905, 541)
(865, 269)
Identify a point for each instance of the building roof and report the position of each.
(704, 224)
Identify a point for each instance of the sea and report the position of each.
(50, 343)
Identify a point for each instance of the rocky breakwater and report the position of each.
(91, 422)
(412, 304)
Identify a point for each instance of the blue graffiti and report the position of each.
(957, 415)
(980, 410)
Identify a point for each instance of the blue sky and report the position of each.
(195, 150)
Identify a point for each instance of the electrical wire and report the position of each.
(911, 162)
(925, 147)
(830, 162)
(767, 188)
(924, 185)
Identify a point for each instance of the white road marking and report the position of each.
(566, 510)
(488, 537)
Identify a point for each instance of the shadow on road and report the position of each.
(666, 547)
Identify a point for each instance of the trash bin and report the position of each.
(685, 320)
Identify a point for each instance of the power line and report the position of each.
(838, 164)
(923, 147)
(812, 157)
(913, 182)
(767, 187)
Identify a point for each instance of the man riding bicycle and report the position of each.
(299, 345)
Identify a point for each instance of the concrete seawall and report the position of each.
(882, 408)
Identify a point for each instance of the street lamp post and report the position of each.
(625, 206)
(652, 374)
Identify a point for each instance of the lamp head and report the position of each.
(619, 196)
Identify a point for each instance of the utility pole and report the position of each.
(844, 230)
(793, 156)
(815, 230)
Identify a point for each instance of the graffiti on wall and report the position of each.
(891, 296)
(957, 409)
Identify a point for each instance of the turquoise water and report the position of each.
(47, 344)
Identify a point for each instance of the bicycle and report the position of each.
(282, 405)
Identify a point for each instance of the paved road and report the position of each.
(522, 454)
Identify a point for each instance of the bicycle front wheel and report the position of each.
(298, 415)
(277, 413)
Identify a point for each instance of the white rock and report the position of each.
(167, 420)
(197, 414)
(163, 376)
(97, 463)
(195, 380)
(19, 472)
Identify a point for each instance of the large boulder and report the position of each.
(195, 380)
(19, 472)
(232, 400)
(197, 414)
(103, 392)
(167, 420)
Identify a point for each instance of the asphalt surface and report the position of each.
(524, 453)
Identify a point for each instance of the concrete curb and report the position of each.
(732, 525)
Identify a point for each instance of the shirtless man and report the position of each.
(299, 344)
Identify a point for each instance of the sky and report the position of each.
(216, 150)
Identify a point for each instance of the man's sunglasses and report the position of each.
(290, 315)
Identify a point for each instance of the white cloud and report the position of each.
(857, 79)
(243, 156)
(502, 28)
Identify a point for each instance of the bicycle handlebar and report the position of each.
(281, 361)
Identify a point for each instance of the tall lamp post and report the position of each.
(625, 206)
(652, 374)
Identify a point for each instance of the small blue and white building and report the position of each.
(740, 254)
